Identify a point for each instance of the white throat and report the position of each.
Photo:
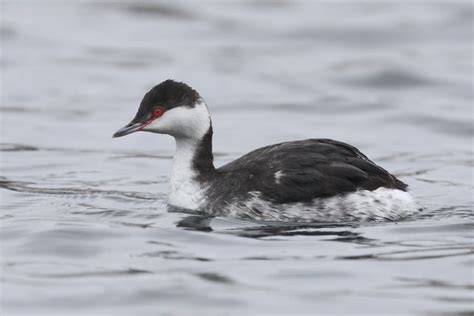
(185, 190)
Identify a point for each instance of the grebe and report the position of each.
(313, 180)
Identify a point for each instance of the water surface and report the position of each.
(84, 226)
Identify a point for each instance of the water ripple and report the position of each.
(28, 187)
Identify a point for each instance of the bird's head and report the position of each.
(171, 108)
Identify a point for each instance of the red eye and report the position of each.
(158, 112)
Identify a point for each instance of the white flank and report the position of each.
(378, 205)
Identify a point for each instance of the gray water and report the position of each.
(84, 226)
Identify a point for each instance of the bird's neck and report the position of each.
(193, 165)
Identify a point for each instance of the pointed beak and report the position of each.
(128, 129)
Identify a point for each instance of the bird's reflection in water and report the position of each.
(254, 229)
(196, 222)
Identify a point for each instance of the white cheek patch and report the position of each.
(183, 122)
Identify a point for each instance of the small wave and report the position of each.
(111, 273)
(153, 10)
(28, 187)
(17, 147)
(14, 147)
(390, 79)
(437, 124)
(215, 278)
(173, 255)
(416, 254)
(432, 283)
